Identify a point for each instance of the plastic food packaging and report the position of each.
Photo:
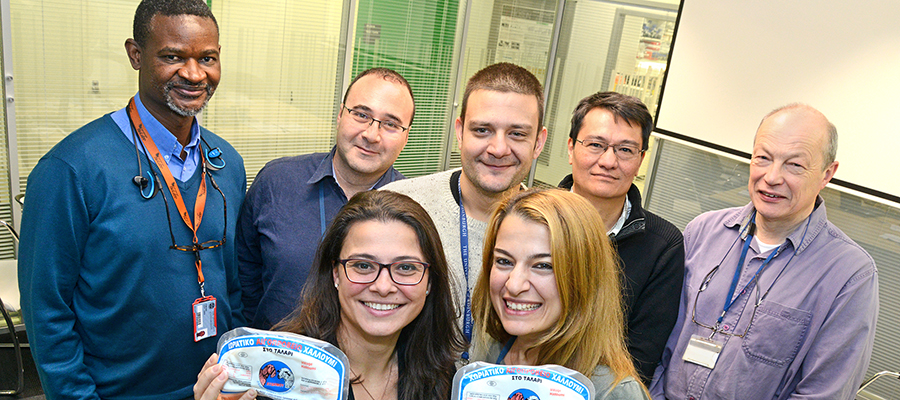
(283, 366)
(484, 381)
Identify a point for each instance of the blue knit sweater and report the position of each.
(107, 304)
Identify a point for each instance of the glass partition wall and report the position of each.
(286, 64)
(603, 46)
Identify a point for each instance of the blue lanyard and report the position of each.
(737, 273)
(322, 206)
(464, 249)
(505, 350)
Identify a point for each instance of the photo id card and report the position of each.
(702, 351)
(204, 310)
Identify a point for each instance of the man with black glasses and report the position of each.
(126, 263)
(609, 135)
(778, 303)
(293, 199)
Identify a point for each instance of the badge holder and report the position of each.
(484, 381)
(702, 351)
(283, 366)
(205, 323)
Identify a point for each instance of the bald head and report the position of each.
(813, 122)
(789, 167)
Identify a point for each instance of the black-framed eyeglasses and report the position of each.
(407, 273)
(624, 152)
(363, 118)
(209, 244)
(715, 329)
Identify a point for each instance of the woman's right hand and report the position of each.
(210, 381)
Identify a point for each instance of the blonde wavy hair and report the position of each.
(590, 331)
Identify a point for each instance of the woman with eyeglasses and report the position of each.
(380, 292)
(549, 292)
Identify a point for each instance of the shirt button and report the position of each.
(691, 398)
(726, 327)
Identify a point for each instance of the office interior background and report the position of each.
(285, 64)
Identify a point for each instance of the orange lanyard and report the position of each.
(199, 205)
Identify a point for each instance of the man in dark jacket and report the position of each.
(651, 249)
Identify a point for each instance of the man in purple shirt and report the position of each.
(777, 303)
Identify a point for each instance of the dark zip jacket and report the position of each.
(651, 254)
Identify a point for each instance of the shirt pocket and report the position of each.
(776, 334)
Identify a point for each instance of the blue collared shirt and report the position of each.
(165, 141)
(279, 228)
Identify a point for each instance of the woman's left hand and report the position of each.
(210, 381)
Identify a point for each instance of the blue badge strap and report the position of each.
(464, 249)
(322, 206)
(505, 350)
(737, 273)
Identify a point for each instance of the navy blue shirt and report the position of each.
(279, 228)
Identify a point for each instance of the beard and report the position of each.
(186, 112)
(490, 185)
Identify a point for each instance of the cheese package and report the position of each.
(484, 381)
(282, 365)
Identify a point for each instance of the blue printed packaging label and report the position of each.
(283, 366)
(484, 381)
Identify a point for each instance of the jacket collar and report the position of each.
(636, 221)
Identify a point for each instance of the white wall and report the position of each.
(731, 65)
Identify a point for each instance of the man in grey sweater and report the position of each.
(500, 133)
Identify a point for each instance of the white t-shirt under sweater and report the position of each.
(433, 193)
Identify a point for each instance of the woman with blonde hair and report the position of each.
(549, 292)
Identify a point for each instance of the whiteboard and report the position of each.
(732, 62)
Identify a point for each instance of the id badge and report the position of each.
(204, 310)
(702, 351)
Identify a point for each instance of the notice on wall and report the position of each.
(524, 42)
(656, 40)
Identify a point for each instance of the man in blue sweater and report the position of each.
(293, 199)
(126, 262)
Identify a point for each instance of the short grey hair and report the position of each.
(830, 151)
